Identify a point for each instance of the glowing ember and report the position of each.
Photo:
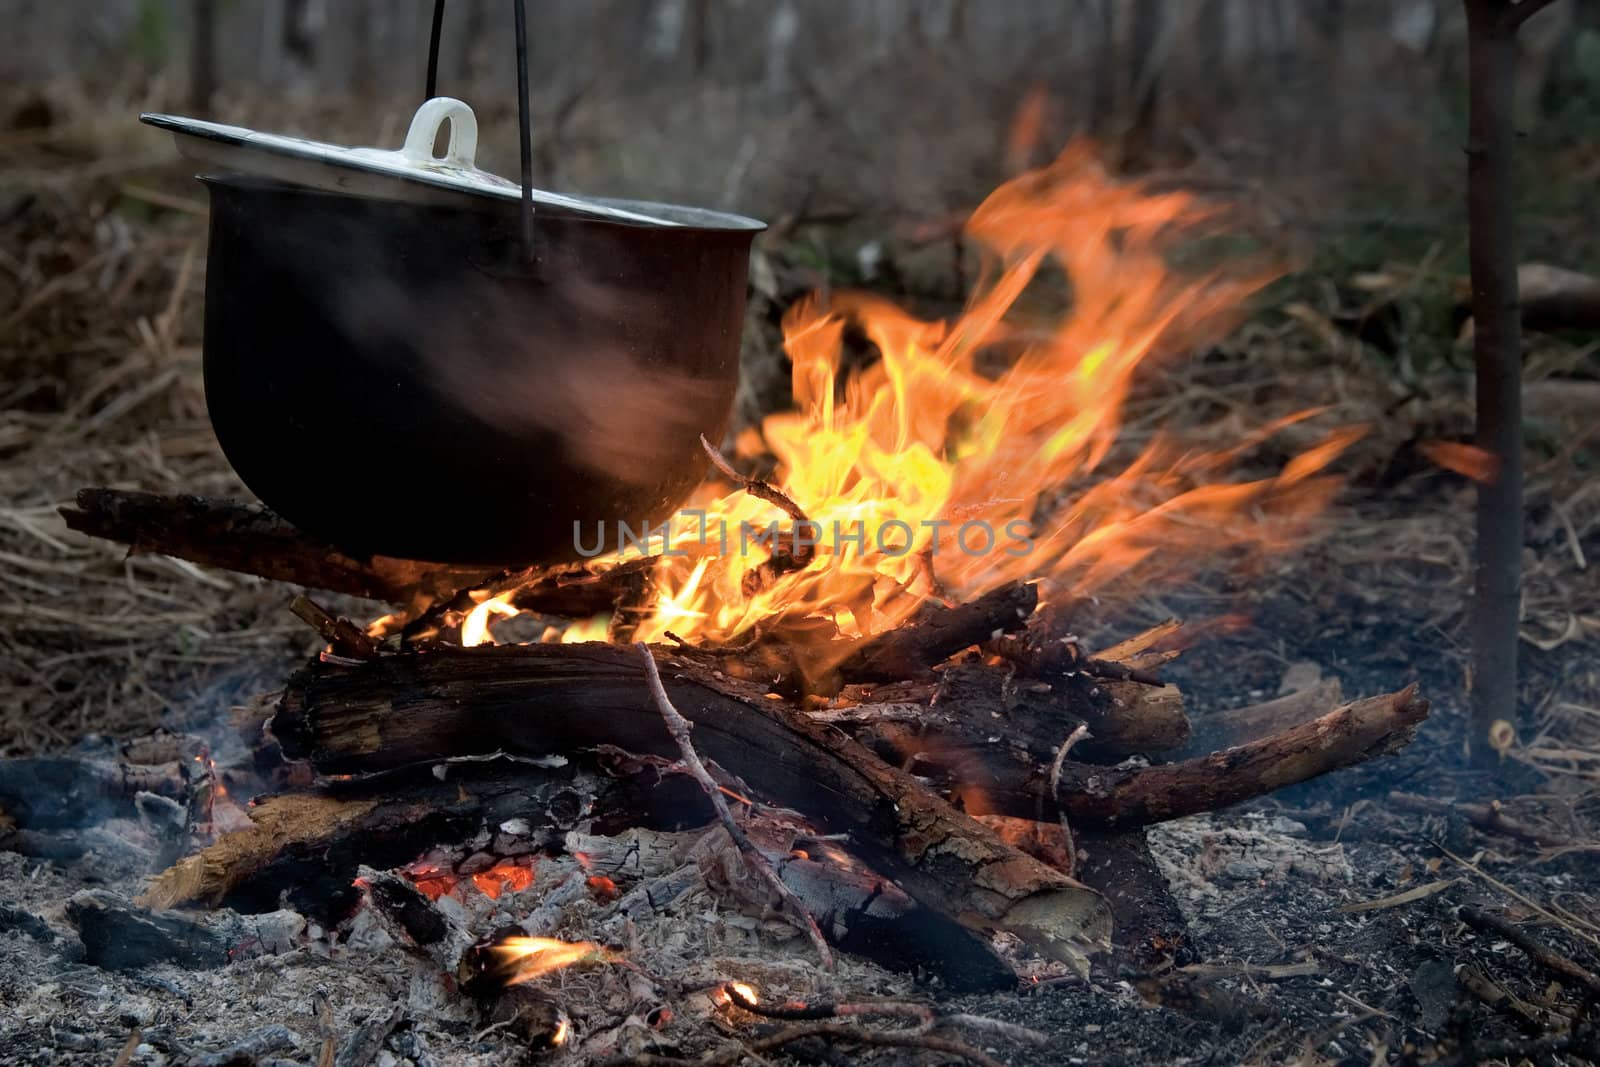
(512, 875)
(985, 449)
(528, 958)
(502, 877)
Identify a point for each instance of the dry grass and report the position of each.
(100, 300)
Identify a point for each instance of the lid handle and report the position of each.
(462, 150)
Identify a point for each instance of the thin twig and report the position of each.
(784, 559)
(129, 1047)
(1527, 901)
(679, 728)
(927, 1014)
(754, 486)
(1078, 733)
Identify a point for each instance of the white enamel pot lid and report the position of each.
(411, 172)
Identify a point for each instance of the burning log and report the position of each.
(938, 632)
(553, 699)
(247, 539)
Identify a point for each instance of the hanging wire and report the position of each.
(432, 89)
(526, 121)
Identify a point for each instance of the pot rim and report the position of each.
(413, 173)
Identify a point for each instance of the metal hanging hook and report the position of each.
(526, 122)
(432, 87)
(524, 117)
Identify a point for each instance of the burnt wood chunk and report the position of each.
(554, 699)
(120, 936)
(58, 792)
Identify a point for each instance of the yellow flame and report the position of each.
(980, 450)
(746, 991)
(475, 627)
(531, 957)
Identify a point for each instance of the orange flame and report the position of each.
(983, 449)
(531, 957)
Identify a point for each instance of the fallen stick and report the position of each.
(235, 536)
(1536, 950)
(553, 699)
(1489, 817)
(1347, 735)
(679, 728)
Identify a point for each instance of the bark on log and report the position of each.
(1127, 797)
(552, 699)
(972, 703)
(1240, 726)
(248, 539)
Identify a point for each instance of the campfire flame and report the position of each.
(984, 449)
(528, 958)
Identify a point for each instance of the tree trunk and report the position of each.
(1497, 591)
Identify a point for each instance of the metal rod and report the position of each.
(526, 122)
(432, 89)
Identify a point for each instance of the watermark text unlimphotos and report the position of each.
(892, 537)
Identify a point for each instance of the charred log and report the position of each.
(554, 699)
(235, 536)
(973, 704)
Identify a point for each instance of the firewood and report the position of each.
(545, 699)
(1238, 726)
(972, 704)
(1127, 797)
(938, 632)
(248, 539)
(680, 728)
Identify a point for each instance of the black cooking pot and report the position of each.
(418, 376)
